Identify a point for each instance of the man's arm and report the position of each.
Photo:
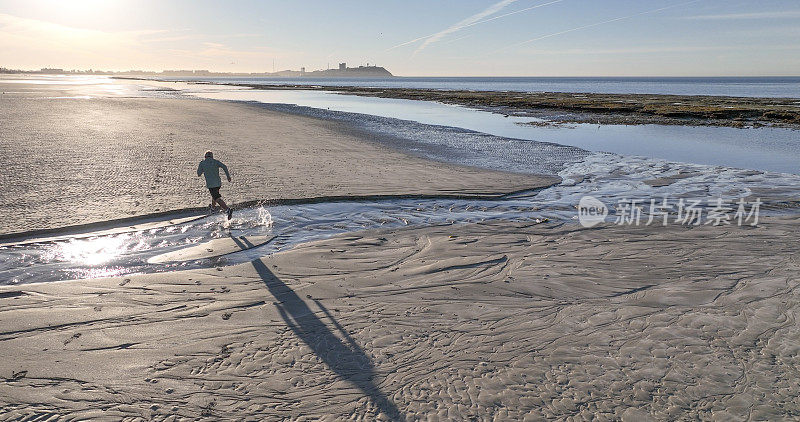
(225, 169)
(200, 169)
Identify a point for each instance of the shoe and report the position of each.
(230, 213)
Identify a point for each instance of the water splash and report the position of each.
(608, 177)
(264, 217)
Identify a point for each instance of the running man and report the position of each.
(210, 168)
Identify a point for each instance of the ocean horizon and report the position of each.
(735, 86)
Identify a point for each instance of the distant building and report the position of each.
(302, 70)
(350, 72)
(51, 70)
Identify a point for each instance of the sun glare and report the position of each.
(93, 251)
(80, 11)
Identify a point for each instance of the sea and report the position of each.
(773, 86)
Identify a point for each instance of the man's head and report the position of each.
(209, 154)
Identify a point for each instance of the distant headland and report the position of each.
(341, 72)
(348, 72)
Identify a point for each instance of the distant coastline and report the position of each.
(342, 71)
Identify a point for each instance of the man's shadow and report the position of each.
(345, 358)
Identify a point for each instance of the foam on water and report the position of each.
(608, 177)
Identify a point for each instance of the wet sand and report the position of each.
(506, 321)
(493, 321)
(73, 161)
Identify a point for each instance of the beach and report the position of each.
(491, 210)
(481, 321)
(79, 161)
(360, 279)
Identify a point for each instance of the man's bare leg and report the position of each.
(224, 206)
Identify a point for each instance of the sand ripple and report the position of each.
(485, 321)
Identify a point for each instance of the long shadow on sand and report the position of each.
(345, 358)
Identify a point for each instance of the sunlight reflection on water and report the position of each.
(94, 251)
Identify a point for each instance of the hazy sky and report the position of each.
(409, 37)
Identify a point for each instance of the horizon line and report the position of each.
(74, 71)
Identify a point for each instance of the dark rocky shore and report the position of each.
(566, 107)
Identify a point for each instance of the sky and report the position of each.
(409, 37)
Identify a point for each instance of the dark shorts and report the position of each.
(215, 192)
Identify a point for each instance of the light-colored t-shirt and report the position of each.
(210, 168)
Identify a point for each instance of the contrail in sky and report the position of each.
(456, 39)
(470, 20)
(464, 24)
(515, 12)
(489, 11)
(595, 24)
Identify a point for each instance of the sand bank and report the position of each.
(74, 161)
(501, 320)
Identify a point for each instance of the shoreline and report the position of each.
(112, 158)
(199, 212)
(612, 109)
(558, 108)
(499, 319)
